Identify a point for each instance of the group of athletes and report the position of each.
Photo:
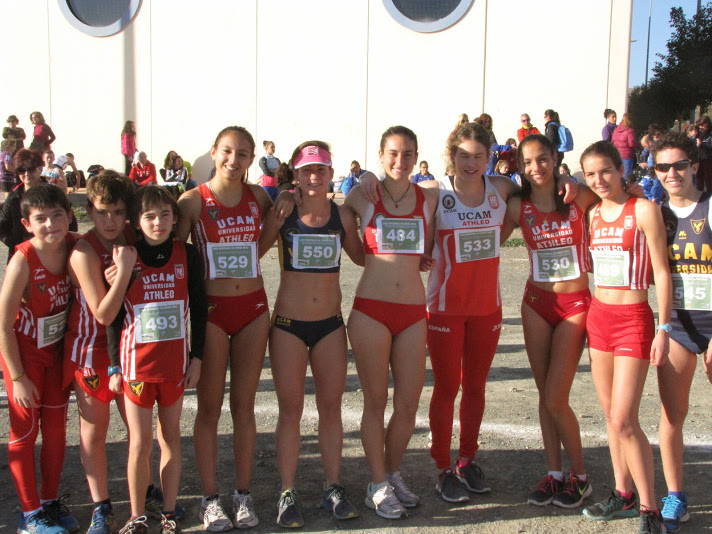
(127, 288)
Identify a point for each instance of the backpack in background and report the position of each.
(566, 140)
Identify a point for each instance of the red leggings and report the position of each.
(25, 424)
(461, 352)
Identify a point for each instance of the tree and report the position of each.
(682, 81)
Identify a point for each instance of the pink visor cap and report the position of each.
(312, 155)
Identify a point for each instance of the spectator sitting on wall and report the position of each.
(527, 127)
(52, 171)
(423, 175)
(353, 178)
(143, 172)
(13, 131)
(75, 177)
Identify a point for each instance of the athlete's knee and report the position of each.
(625, 426)
(329, 411)
(675, 416)
(556, 405)
(291, 411)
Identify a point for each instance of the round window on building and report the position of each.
(427, 16)
(99, 18)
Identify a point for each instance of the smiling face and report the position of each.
(470, 159)
(539, 164)
(314, 179)
(30, 176)
(109, 219)
(398, 157)
(48, 158)
(424, 169)
(603, 177)
(677, 183)
(233, 156)
(49, 225)
(156, 223)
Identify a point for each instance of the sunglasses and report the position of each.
(526, 120)
(678, 165)
(23, 170)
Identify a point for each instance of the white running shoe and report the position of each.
(214, 517)
(380, 497)
(244, 511)
(405, 496)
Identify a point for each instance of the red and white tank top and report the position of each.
(85, 341)
(556, 243)
(385, 233)
(227, 237)
(465, 279)
(154, 337)
(42, 319)
(620, 251)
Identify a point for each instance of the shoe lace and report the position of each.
(213, 509)
(671, 506)
(571, 486)
(476, 469)
(650, 519)
(287, 499)
(168, 525)
(337, 493)
(42, 518)
(546, 484)
(56, 509)
(399, 484)
(132, 526)
(98, 517)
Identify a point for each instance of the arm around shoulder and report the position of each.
(352, 242)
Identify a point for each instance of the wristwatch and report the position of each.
(667, 327)
(115, 370)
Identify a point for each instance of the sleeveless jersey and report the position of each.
(239, 225)
(396, 234)
(465, 279)
(85, 341)
(41, 320)
(620, 251)
(306, 249)
(154, 337)
(689, 240)
(556, 243)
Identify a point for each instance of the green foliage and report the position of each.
(683, 79)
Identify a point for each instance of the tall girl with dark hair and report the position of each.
(627, 243)
(554, 310)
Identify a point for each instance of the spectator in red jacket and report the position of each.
(624, 140)
(143, 172)
(128, 145)
(527, 127)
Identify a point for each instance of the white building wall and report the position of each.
(288, 70)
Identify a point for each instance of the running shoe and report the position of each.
(674, 512)
(102, 520)
(213, 516)
(288, 513)
(59, 512)
(382, 498)
(573, 494)
(154, 505)
(336, 500)
(169, 526)
(472, 476)
(406, 497)
(450, 488)
(135, 526)
(39, 523)
(243, 508)
(545, 491)
(615, 506)
(651, 522)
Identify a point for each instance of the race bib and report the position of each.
(474, 245)
(315, 251)
(232, 260)
(555, 264)
(611, 268)
(400, 236)
(159, 321)
(691, 292)
(51, 329)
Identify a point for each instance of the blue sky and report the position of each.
(660, 32)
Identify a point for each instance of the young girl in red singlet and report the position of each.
(223, 218)
(627, 242)
(387, 324)
(688, 216)
(554, 310)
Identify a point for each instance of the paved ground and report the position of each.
(510, 453)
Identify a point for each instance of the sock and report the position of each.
(558, 475)
(679, 494)
(627, 495)
(45, 501)
(169, 515)
(242, 492)
(149, 491)
(105, 501)
(209, 498)
(582, 478)
(463, 462)
(33, 512)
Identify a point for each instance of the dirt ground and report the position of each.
(511, 453)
